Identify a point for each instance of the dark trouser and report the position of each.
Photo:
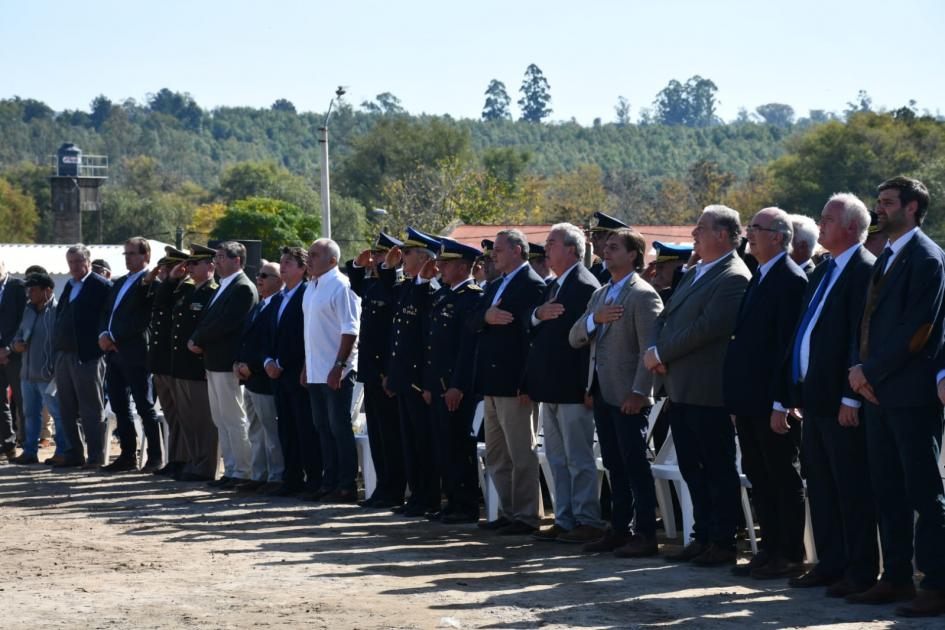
(11, 411)
(419, 459)
(841, 501)
(455, 452)
(903, 447)
(770, 461)
(331, 411)
(201, 440)
(622, 441)
(79, 387)
(124, 376)
(387, 452)
(297, 435)
(164, 388)
(705, 445)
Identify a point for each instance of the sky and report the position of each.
(439, 56)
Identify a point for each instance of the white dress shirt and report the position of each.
(897, 245)
(224, 283)
(130, 280)
(76, 286)
(330, 309)
(560, 281)
(506, 279)
(765, 268)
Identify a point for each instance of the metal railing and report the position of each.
(88, 166)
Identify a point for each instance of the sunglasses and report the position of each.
(264, 275)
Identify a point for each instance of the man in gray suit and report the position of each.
(692, 335)
(618, 325)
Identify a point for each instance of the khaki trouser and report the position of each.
(198, 433)
(511, 429)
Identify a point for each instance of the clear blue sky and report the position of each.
(439, 56)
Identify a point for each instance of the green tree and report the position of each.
(506, 164)
(101, 108)
(497, 102)
(692, 104)
(283, 105)
(267, 179)
(17, 215)
(536, 95)
(274, 222)
(33, 180)
(622, 108)
(178, 105)
(384, 103)
(777, 114)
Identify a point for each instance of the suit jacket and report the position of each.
(556, 372)
(218, 331)
(693, 330)
(501, 351)
(617, 349)
(253, 342)
(85, 314)
(763, 332)
(905, 329)
(377, 300)
(600, 272)
(285, 336)
(826, 382)
(407, 334)
(12, 305)
(131, 319)
(450, 347)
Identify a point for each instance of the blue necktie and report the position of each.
(808, 316)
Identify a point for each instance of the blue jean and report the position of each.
(331, 412)
(34, 398)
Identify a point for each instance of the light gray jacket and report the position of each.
(617, 348)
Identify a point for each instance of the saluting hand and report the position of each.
(428, 270)
(393, 258)
(550, 310)
(179, 271)
(497, 317)
(364, 259)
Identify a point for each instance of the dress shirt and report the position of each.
(765, 268)
(130, 280)
(612, 294)
(286, 296)
(560, 281)
(506, 279)
(3, 286)
(897, 246)
(224, 283)
(330, 309)
(76, 286)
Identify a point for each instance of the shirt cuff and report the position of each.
(776, 406)
(939, 376)
(268, 361)
(535, 320)
(849, 402)
(591, 326)
(656, 353)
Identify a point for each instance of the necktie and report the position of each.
(255, 312)
(879, 269)
(752, 285)
(554, 290)
(808, 316)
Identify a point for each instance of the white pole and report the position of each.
(326, 204)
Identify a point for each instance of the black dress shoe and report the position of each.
(248, 486)
(517, 528)
(342, 496)
(415, 510)
(777, 567)
(813, 579)
(283, 491)
(120, 465)
(434, 516)
(171, 470)
(69, 463)
(216, 483)
(498, 523)
(456, 518)
(757, 560)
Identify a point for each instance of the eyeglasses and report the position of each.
(757, 228)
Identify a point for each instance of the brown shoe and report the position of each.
(884, 593)
(690, 551)
(927, 603)
(611, 541)
(777, 568)
(55, 459)
(497, 524)
(638, 547)
(582, 534)
(45, 443)
(550, 534)
(517, 528)
(715, 556)
(845, 587)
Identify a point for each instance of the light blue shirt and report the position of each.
(76, 286)
(612, 294)
(286, 296)
(505, 282)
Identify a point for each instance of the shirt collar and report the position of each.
(702, 267)
(508, 277)
(765, 268)
(288, 293)
(265, 301)
(619, 286)
(897, 245)
(560, 279)
(73, 281)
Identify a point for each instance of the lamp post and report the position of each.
(326, 204)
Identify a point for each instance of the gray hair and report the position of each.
(81, 250)
(854, 212)
(806, 230)
(572, 236)
(724, 218)
(781, 223)
(330, 246)
(515, 237)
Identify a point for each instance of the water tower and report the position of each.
(75, 190)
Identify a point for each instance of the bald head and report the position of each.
(268, 281)
(770, 233)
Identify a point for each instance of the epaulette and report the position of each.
(474, 287)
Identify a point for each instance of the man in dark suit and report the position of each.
(692, 334)
(896, 355)
(80, 367)
(556, 377)
(123, 337)
(380, 410)
(814, 379)
(601, 227)
(284, 358)
(502, 347)
(216, 338)
(763, 330)
(448, 356)
(12, 305)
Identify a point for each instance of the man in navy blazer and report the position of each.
(763, 331)
(80, 367)
(897, 353)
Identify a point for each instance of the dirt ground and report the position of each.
(89, 550)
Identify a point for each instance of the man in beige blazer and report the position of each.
(688, 352)
(618, 324)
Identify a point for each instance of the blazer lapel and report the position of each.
(686, 290)
(889, 279)
(621, 299)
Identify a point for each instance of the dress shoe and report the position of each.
(8, 454)
(398, 509)
(268, 487)
(171, 470)
(151, 468)
(884, 593)
(249, 486)
(231, 483)
(414, 510)
(812, 579)
(120, 465)
(844, 588)
(610, 541)
(435, 516)
(191, 477)
(388, 504)
(715, 556)
(777, 567)
(550, 534)
(369, 503)
(342, 496)
(69, 463)
(313, 495)
(582, 534)
(757, 560)
(283, 491)
(498, 523)
(459, 517)
(927, 603)
(639, 547)
(93, 466)
(55, 459)
(687, 553)
(517, 528)
(216, 483)
(25, 459)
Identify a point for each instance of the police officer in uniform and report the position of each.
(448, 358)
(665, 271)
(383, 419)
(484, 270)
(601, 227)
(538, 262)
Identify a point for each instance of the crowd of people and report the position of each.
(813, 348)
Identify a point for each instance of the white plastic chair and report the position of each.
(361, 440)
(489, 492)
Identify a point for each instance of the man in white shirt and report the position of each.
(332, 315)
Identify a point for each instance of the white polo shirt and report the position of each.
(330, 309)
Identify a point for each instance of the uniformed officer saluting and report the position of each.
(448, 358)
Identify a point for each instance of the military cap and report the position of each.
(487, 246)
(418, 239)
(454, 250)
(385, 242)
(201, 252)
(535, 251)
(667, 252)
(874, 223)
(604, 223)
(39, 280)
(172, 256)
